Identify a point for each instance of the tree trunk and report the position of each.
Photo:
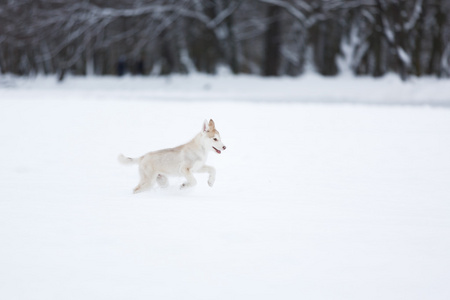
(272, 44)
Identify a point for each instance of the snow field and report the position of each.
(311, 201)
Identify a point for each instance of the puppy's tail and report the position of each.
(128, 160)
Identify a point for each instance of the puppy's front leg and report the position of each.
(212, 174)
(191, 181)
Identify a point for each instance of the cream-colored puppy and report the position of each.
(179, 161)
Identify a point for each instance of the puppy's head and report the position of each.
(213, 137)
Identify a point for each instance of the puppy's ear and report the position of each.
(212, 125)
(205, 125)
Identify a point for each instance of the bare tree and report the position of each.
(268, 37)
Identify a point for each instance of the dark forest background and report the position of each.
(265, 37)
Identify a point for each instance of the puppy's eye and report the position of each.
(215, 139)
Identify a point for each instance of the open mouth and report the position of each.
(217, 150)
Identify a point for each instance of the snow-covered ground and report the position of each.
(312, 200)
(306, 89)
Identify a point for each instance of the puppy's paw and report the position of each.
(162, 181)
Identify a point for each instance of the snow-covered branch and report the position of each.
(291, 9)
(415, 15)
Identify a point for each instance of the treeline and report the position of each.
(266, 37)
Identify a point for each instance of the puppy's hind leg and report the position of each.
(148, 178)
(162, 180)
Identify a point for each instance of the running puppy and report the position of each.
(179, 161)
